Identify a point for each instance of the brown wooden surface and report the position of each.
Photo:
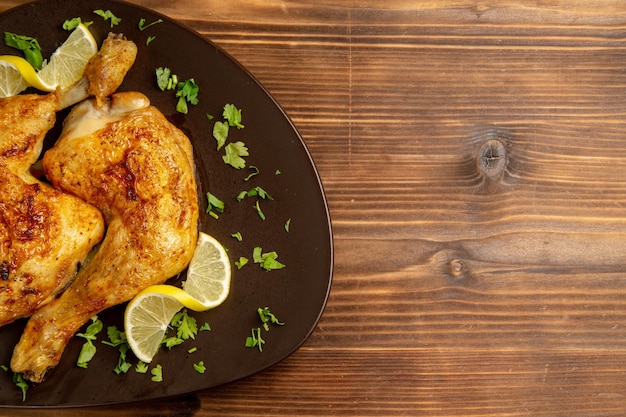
(474, 160)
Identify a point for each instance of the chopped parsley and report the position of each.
(255, 171)
(255, 339)
(257, 207)
(199, 367)
(288, 225)
(88, 350)
(237, 235)
(165, 79)
(108, 15)
(268, 260)
(21, 383)
(267, 316)
(29, 46)
(220, 133)
(187, 93)
(235, 153)
(143, 26)
(214, 205)
(254, 192)
(241, 262)
(18, 380)
(186, 326)
(118, 339)
(141, 367)
(157, 373)
(233, 115)
(71, 24)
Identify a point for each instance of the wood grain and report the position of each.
(474, 161)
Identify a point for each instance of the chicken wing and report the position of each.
(138, 169)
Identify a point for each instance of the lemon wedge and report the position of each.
(11, 80)
(66, 66)
(207, 285)
(27, 73)
(67, 63)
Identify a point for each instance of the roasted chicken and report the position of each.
(126, 159)
(45, 234)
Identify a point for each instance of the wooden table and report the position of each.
(474, 160)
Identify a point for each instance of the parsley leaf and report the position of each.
(241, 262)
(108, 15)
(122, 364)
(88, 350)
(29, 46)
(267, 316)
(21, 383)
(288, 225)
(157, 373)
(199, 367)
(187, 93)
(234, 153)
(186, 326)
(71, 24)
(237, 235)
(254, 192)
(143, 26)
(165, 79)
(268, 261)
(118, 338)
(233, 115)
(257, 207)
(214, 203)
(141, 367)
(220, 133)
(255, 172)
(170, 342)
(255, 339)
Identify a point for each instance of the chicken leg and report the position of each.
(45, 234)
(130, 162)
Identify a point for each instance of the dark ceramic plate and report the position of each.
(296, 294)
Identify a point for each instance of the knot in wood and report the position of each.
(492, 158)
(457, 269)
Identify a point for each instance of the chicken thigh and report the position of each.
(132, 164)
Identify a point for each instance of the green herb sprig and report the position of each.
(88, 350)
(29, 46)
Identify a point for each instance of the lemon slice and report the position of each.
(67, 63)
(208, 274)
(27, 73)
(11, 80)
(145, 322)
(207, 285)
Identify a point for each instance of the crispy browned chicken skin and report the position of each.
(44, 233)
(130, 162)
